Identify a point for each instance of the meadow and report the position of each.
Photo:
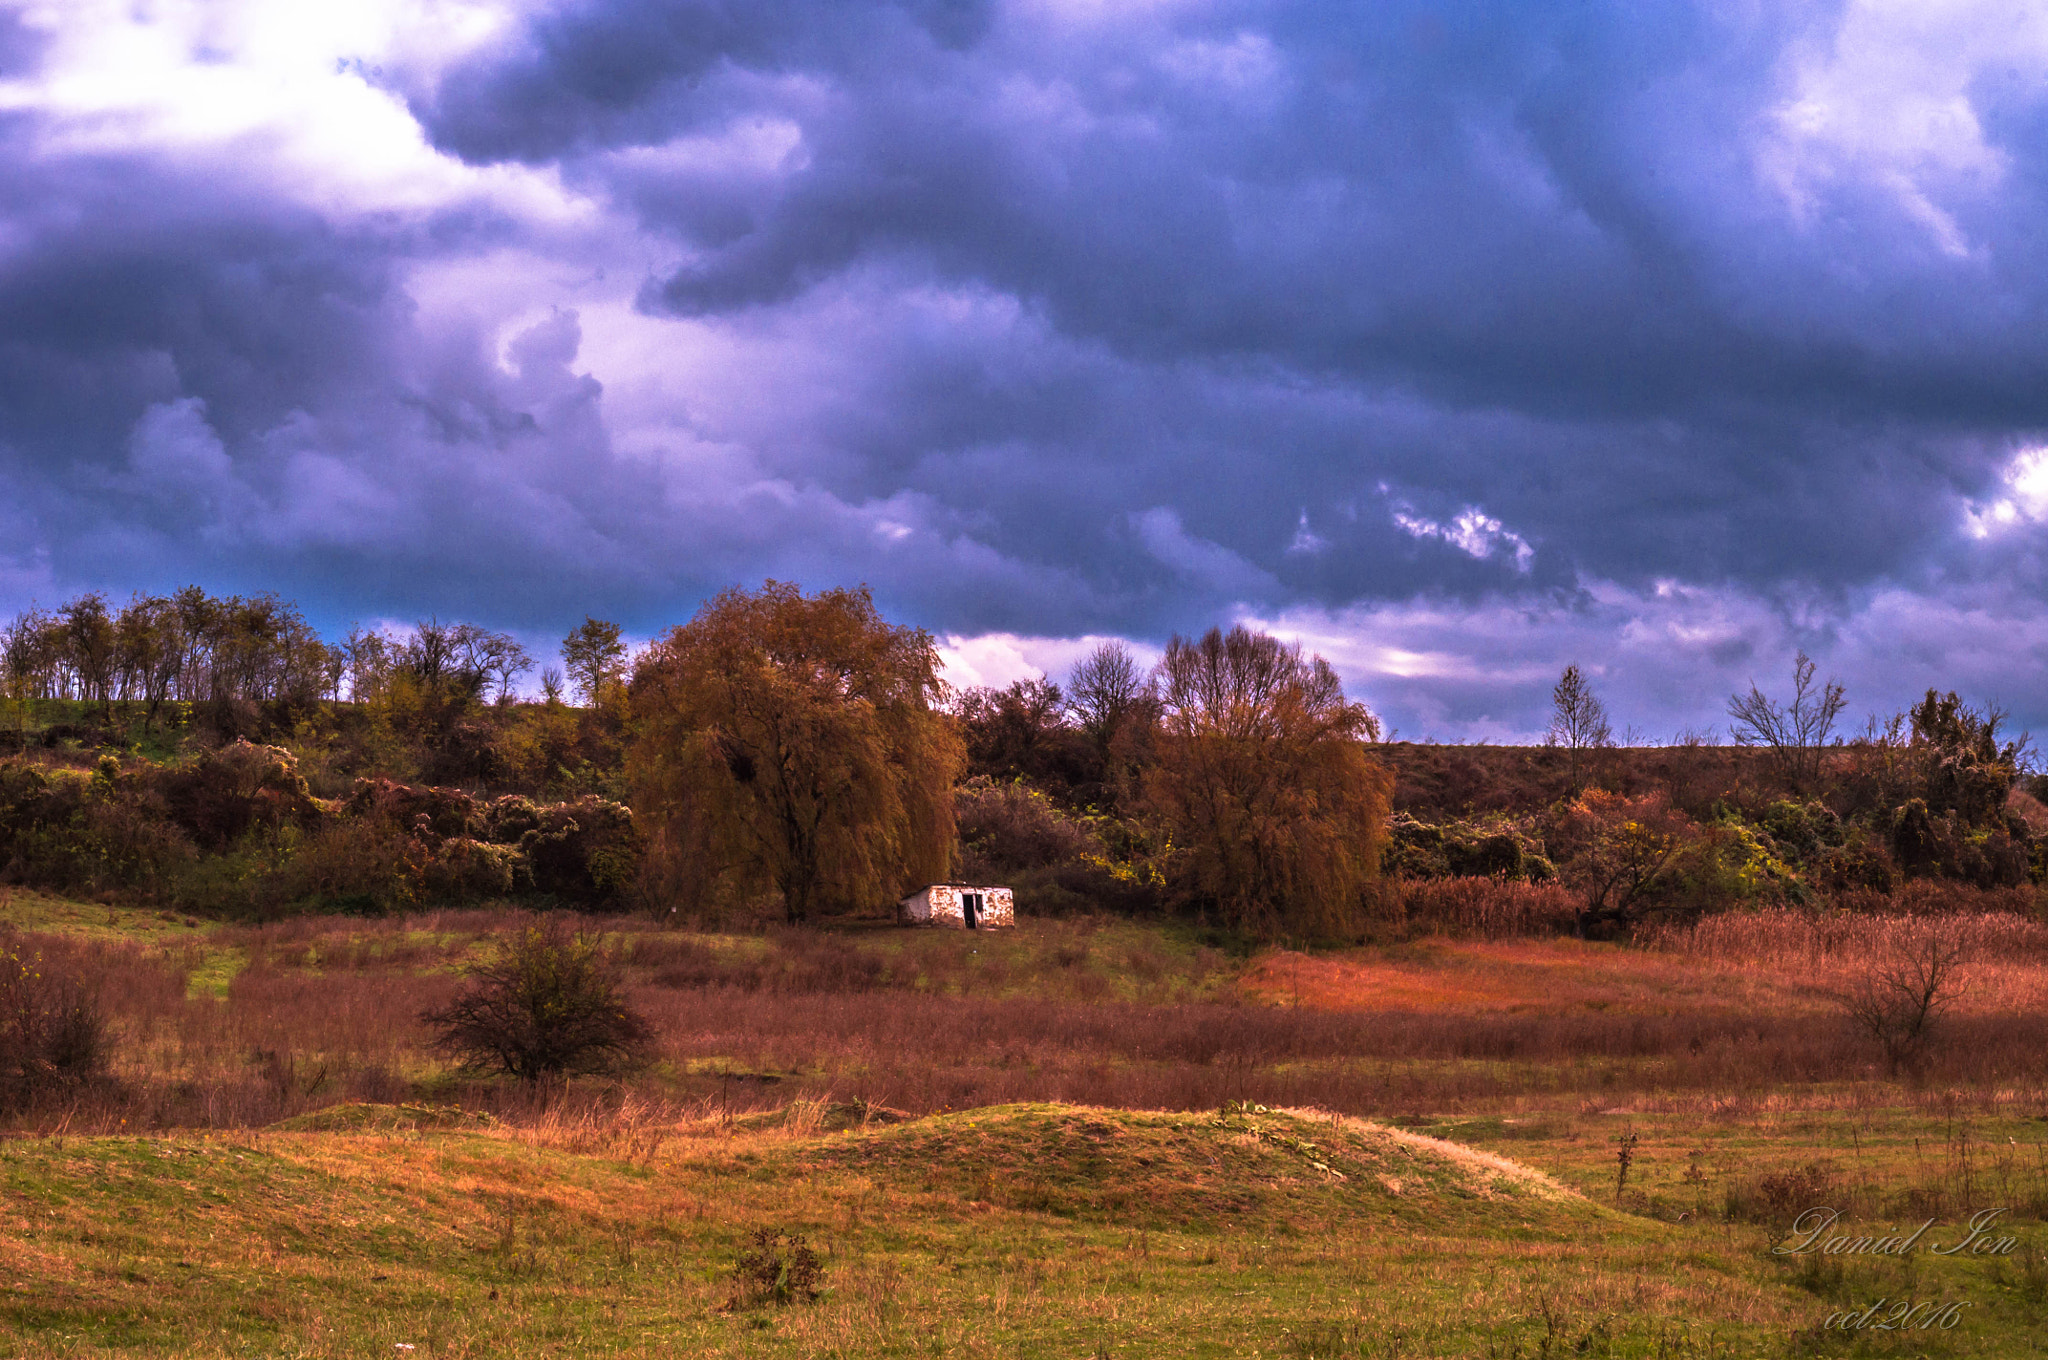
(1087, 1137)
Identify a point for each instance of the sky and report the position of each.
(1459, 342)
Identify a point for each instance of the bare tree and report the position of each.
(369, 657)
(1796, 733)
(1104, 688)
(1578, 720)
(444, 660)
(497, 657)
(1901, 999)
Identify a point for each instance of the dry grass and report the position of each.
(1784, 939)
(2005, 956)
(1475, 908)
(484, 1218)
(990, 1233)
(234, 1027)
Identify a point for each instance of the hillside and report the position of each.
(990, 1232)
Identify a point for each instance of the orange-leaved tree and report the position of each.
(1620, 852)
(791, 743)
(1262, 776)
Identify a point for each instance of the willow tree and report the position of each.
(1262, 776)
(791, 743)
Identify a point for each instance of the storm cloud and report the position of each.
(1459, 342)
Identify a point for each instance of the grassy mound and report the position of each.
(1202, 1171)
(1010, 1230)
(357, 1116)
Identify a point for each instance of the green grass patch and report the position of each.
(27, 909)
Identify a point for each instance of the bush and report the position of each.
(421, 811)
(587, 852)
(1900, 1001)
(52, 1035)
(1487, 847)
(362, 867)
(549, 1006)
(778, 1268)
(1011, 826)
(220, 797)
(1059, 863)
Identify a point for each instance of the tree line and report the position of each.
(801, 754)
(803, 748)
(191, 647)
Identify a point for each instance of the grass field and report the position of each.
(1020, 1146)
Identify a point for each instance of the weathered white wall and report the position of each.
(999, 909)
(941, 905)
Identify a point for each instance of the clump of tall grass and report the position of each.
(1475, 908)
(1791, 938)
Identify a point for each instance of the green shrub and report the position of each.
(224, 795)
(1484, 847)
(587, 852)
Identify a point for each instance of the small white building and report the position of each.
(959, 906)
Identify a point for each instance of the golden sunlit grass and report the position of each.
(1010, 1145)
(1028, 1230)
(1265, 1233)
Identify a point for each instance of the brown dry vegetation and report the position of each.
(230, 1026)
(1433, 781)
(797, 1073)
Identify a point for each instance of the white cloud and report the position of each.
(2023, 498)
(1001, 659)
(1307, 541)
(1888, 100)
(1472, 531)
(282, 91)
(1664, 659)
(1197, 559)
(1247, 67)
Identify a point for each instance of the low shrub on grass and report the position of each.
(777, 1268)
(52, 1035)
(550, 1005)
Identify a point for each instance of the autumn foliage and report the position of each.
(791, 744)
(1262, 776)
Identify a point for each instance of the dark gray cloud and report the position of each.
(1049, 318)
(1555, 216)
